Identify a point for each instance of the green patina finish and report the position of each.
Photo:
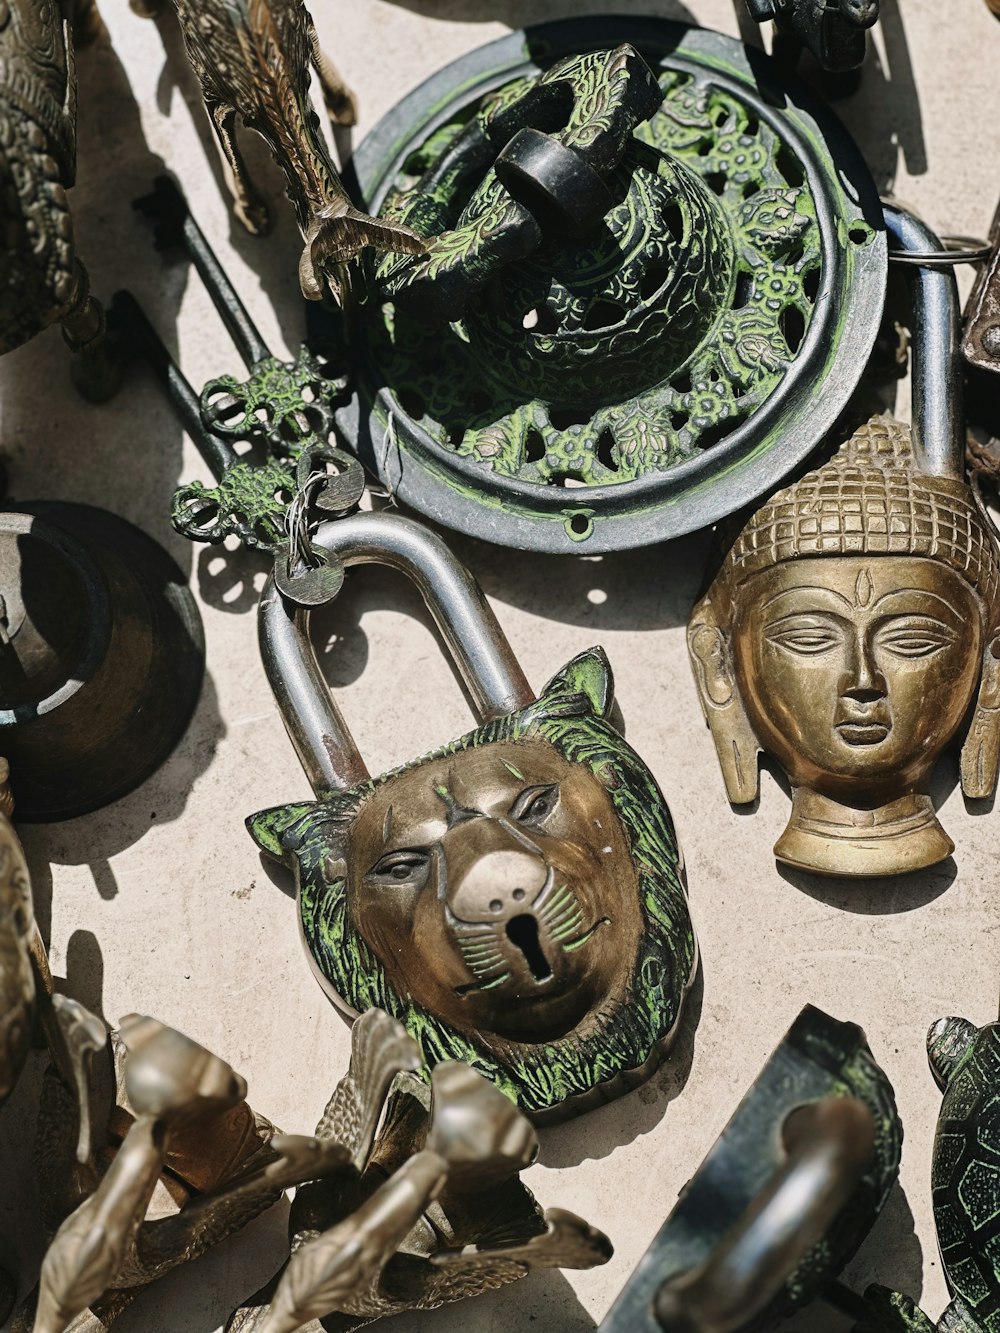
(891, 1312)
(965, 1175)
(570, 715)
(631, 349)
(282, 409)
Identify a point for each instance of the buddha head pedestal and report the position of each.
(847, 633)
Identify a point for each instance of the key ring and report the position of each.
(955, 250)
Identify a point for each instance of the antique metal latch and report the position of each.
(653, 278)
(515, 898)
(264, 437)
(786, 1195)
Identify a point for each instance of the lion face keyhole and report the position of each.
(522, 931)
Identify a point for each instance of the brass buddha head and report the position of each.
(515, 898)
(847, 632)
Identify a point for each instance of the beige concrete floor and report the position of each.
(160, 903)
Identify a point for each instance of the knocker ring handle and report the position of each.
(484, 658)
(938, 433)
(830, 1145)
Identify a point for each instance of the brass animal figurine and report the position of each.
(42, 281)
(20, 947)
(252, 58)
(149, 1155)
(427, 1210)
(138, 1102)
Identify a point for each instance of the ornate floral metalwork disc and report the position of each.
(641, 379)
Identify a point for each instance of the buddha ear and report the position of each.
(735, 743)
(981, 751)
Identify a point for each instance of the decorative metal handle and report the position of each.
(935, 374)
(475, 640)
(830, 1145)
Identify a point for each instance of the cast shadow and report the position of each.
(232, 579)
(201, 1295)
(884, 115)
(879, 896)
(651, 588)
(84, 980)
(527, 13)
(598, 1133)
(93, 839)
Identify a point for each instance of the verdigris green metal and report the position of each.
(623, 376)
(515, 898)
(965, 1183)
(262, 435)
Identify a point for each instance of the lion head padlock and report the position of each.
(856, 620)
(515, 898)
(787, 1193)
(654, 271)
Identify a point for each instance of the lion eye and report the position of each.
(405, 866)
(536, 804)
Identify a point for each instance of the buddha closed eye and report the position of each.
(496, 886)
(858, 667)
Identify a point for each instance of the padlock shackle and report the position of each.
(935, 369)
(829, 1146)
(478, 645)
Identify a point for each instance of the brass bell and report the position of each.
(101, 657)
(515, 898)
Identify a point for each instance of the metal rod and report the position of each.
(128, 315)
(935, 373)
(830, 1145)
(480, 649)
(225, 298)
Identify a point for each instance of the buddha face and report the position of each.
(496, 887)
(857, 670)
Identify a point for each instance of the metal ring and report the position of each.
(955, 250)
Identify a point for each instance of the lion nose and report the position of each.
(497, 885)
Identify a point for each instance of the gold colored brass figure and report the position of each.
(431, 1208)
(169, 1160)
(41, 279)
(847, 632)
(252, 59)
(18, 947)
(516, 827)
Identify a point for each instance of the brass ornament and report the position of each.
(428, 1207)
(850, 627)
(42, 280)
(252, 59)
(516, 898)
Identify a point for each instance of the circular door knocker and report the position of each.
(655, 270)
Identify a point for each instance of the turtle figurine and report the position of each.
(965, 1183)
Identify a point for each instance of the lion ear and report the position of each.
(279, 832)
(588, 675)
